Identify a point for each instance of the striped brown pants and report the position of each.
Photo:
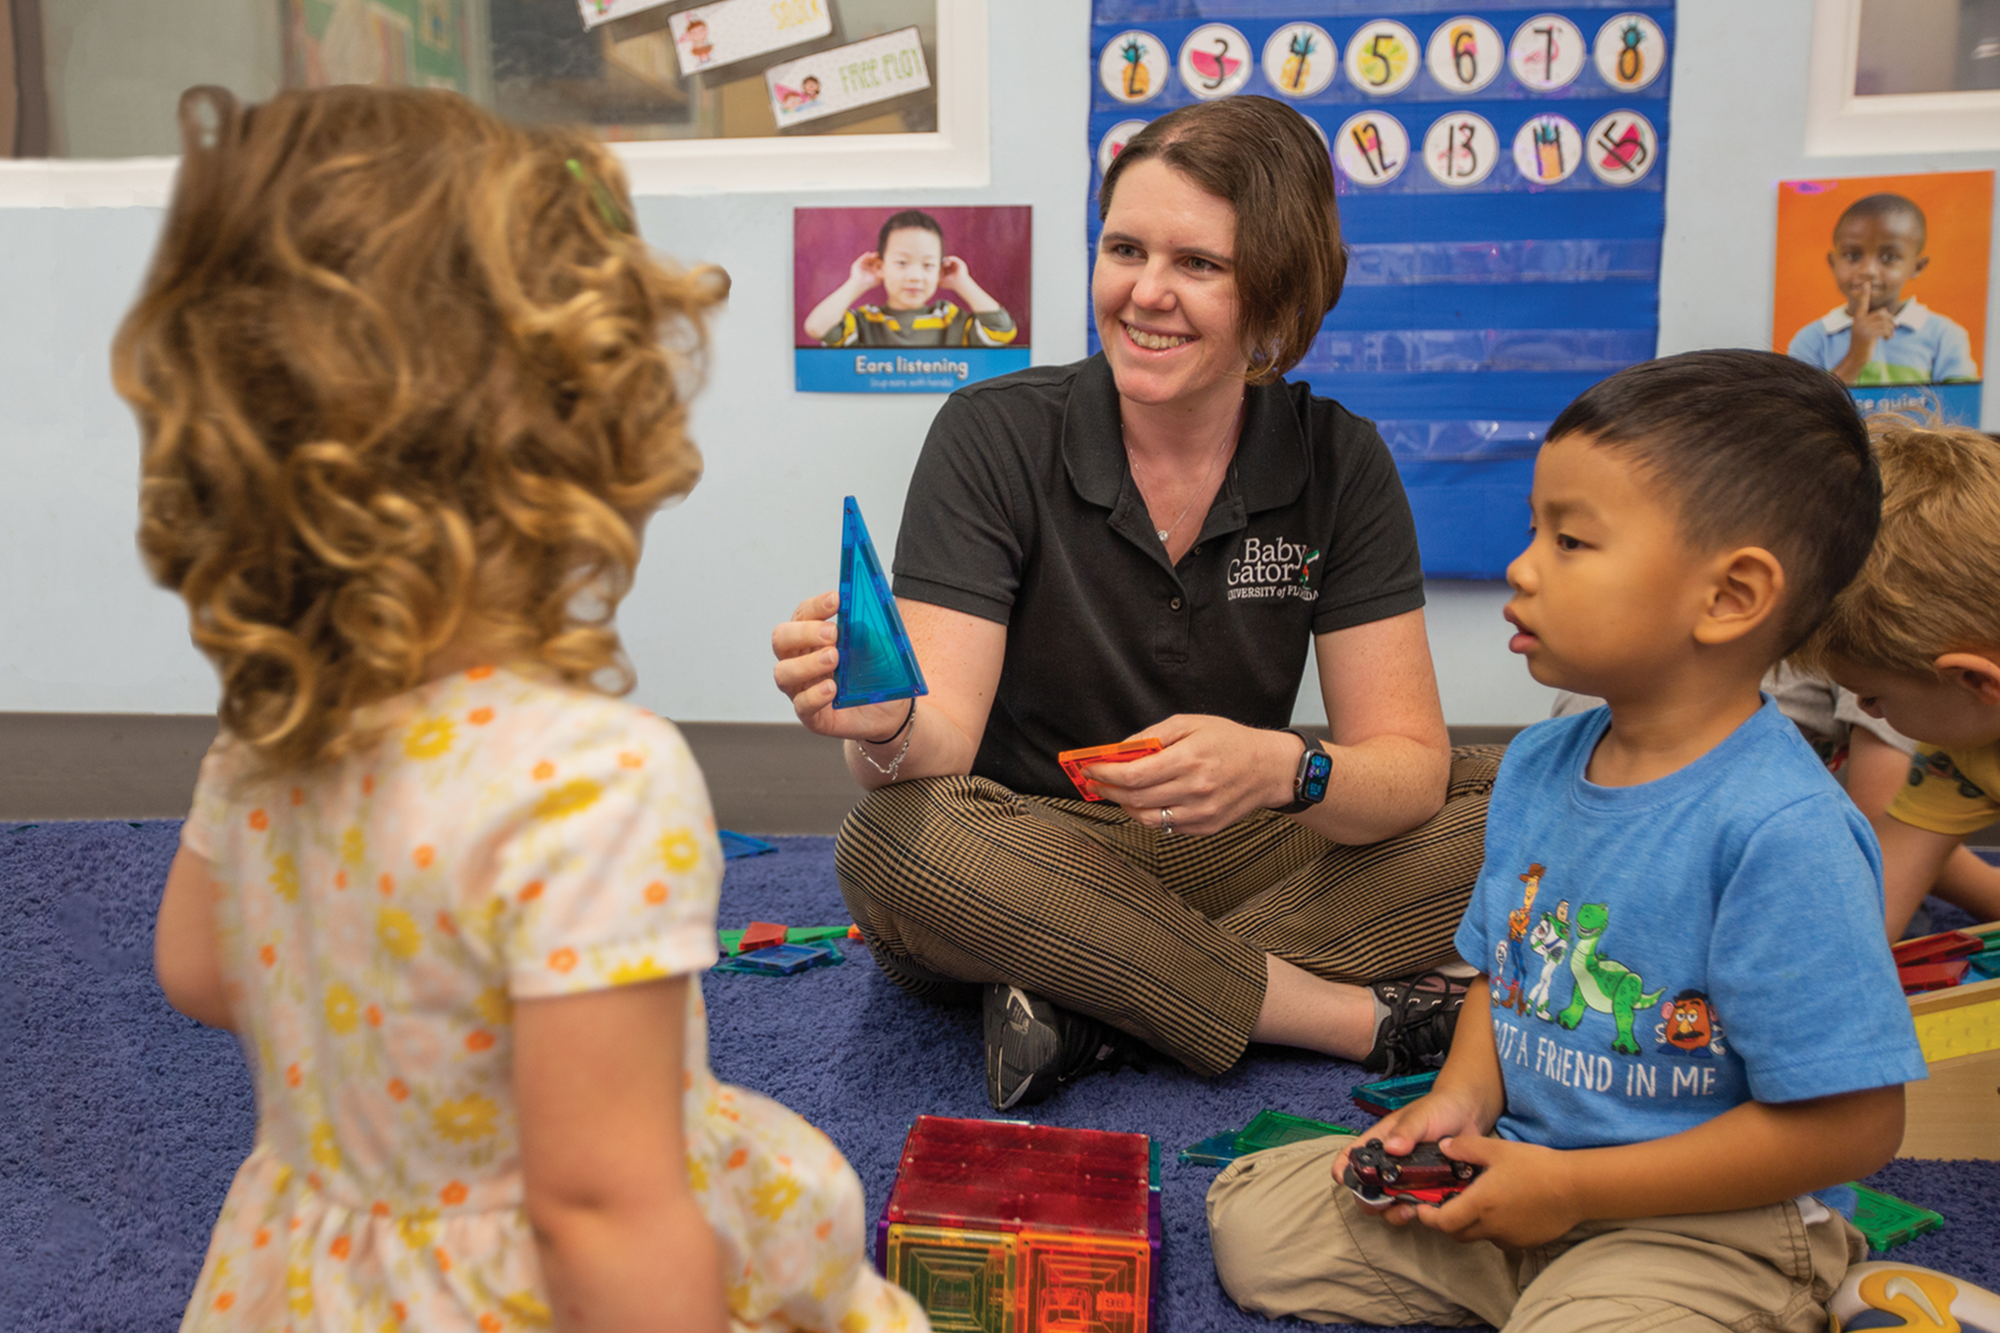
(957, 882)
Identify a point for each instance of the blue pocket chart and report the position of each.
(1502, 173)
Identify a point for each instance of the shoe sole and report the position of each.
(1021, 1047)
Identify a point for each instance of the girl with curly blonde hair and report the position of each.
(409, 385)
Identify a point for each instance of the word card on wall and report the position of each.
(1501, 171)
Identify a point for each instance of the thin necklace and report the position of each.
(1228, 434)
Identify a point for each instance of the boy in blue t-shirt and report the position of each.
(1689, 1018)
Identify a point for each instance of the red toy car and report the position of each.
(1425, 1175)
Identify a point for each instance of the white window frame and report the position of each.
(1840, 124)
(957, 156)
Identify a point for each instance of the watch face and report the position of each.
(1319, 767)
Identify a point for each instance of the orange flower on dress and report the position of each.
(387, 884)
(562, 960)
(367, 784)
(630, 760)
(374, 1016)
(292, 1076)
(268, 956)
(444, 1260)
(479, 1041)
(531, 891)
(490, 1322)
(423, 856)
(341, 1247)
(298, 796)
(262, 1238)
(736, 1159)
(479, 673)
(398, 1089)
(340, 879)
(824, 1229)
(479, 717)
(381, 1208)
(225, 1300)
(259, 820)
(453, 1194)
(446, 924)
(656, 893)
(544, 771)
(397, 1309)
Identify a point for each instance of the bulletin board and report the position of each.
(1501, 172)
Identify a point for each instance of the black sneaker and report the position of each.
(1416, 1034)
(1032, 1046)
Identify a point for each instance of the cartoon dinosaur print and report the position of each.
(1551, 940)
(1601, 984)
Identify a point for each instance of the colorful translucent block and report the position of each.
(1215, 1150)
(964, 1279)
(1966, 1029)
(1273, 1129)
(1085, 1284)
(1887, 1221)
(1391, 1094)
(980, 1175)
(877, 662)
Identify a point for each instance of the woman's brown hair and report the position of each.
(399, 367)
(1266, 161)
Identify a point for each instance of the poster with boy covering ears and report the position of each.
(1882, 280)
(909, 300)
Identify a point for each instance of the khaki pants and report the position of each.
(1288, 1241)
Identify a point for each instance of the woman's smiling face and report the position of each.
(1164, 289)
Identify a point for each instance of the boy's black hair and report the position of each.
(1888, 205)
(909, 217)
(1757, 449)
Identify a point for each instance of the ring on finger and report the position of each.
(1166, 820)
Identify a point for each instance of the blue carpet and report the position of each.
(121, 1122)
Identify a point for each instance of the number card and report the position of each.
(1501, 172)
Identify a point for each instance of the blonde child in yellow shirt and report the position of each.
(409, 386)
(1916, 637)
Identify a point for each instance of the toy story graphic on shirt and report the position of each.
(1462, 340)
(1882, 281)
(1541, 953)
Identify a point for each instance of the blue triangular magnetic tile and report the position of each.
(876, 660)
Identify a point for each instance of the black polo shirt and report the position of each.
(1023, 511)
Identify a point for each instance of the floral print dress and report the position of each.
(507, 838)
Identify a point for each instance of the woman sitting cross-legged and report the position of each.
(1145, 544)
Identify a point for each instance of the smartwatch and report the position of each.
(1309, 783)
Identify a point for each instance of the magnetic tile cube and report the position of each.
(1011, 1228)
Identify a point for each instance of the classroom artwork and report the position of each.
(842, 78)
(603, 11)
(394, 43)
(1502, 176)
(1882, 280)
(893, 299)
(709, 37)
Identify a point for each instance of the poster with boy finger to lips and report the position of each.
(909, 300)
(1882, 280)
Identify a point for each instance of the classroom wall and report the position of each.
(82, 630)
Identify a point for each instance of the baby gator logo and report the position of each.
(1276, 567)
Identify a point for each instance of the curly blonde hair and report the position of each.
(1931, 584)
(399, 367)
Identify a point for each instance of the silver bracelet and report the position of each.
(909, 734)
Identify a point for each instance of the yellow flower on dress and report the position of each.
(285, 877)
(645, 969)
(324, 1150)
(354, 845)
(526, 1309)
(298, 1290)
(398, 932)
(429, 738)
(680, 849)
(772, 1198)
(574, 795)
(494, 1006)
(854, 1322)
(697, 1173)
(343, 1011)
(470, 1117)
(417, 1227)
